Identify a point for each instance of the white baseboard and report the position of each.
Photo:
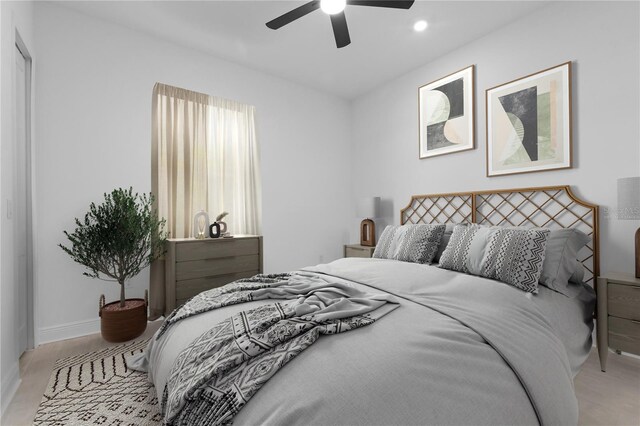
(621, 352)
(9, 386)
(68, 331)
(628, 354)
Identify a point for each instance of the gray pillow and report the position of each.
(575, 285)
(410, 243)
(466, 248)
(514, 256)
(560, 261)
(448, 230)
(578, 274)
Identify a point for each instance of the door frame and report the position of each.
(21, 48)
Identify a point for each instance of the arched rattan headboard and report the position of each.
(552, 207)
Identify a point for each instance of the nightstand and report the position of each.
(356, 250)
(618, 319)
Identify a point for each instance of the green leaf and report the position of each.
(118, 238)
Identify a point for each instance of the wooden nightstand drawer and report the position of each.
(618, 322)
(624, 334)
(624, 301)
(356, 250)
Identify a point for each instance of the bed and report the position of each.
(459, 349)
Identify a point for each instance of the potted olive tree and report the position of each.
(115, 241)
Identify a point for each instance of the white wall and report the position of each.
(14, 16)
(93, 106)
(602, 40)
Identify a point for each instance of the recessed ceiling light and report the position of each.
(420, 26)
(331, 7)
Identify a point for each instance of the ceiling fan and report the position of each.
(335, 9)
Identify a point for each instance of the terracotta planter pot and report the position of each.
(121, 324)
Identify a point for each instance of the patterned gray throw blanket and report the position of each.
(215, 376)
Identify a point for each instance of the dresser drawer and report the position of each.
(624, 301)
(214, 267)
(223, 247)
(624, 334)
(186, 289)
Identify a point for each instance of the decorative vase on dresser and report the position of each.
(193, 265)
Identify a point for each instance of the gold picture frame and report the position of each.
(446, 114)
(528, 123)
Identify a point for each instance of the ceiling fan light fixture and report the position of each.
(420, 26)
(335, 8)
(331, 7)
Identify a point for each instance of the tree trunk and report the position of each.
(121, 293)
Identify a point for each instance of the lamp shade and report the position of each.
(368, 207)
(629, 198)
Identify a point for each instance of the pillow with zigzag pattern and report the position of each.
(514, 256)
(410, 243)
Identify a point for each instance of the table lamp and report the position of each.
(368, 208)
(629, 208)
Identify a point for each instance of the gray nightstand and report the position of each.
(356, 250)
(618, 319)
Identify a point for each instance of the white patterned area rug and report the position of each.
(98, 389)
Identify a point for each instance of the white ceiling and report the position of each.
(383, 43)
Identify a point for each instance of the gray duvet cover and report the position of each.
(459, 350)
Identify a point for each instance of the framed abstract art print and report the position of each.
(446, 114)
(529, 123)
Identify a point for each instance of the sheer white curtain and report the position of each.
(204, 157)
(233, 166)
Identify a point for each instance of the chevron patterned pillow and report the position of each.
(512, 255)
(515, 256)
(410, 243)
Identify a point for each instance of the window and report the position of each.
(204, 157)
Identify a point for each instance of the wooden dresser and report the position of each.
(618, 315)
(192, 266)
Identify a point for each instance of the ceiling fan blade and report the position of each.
(395, 4)
(340, 30)
(291, 16)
